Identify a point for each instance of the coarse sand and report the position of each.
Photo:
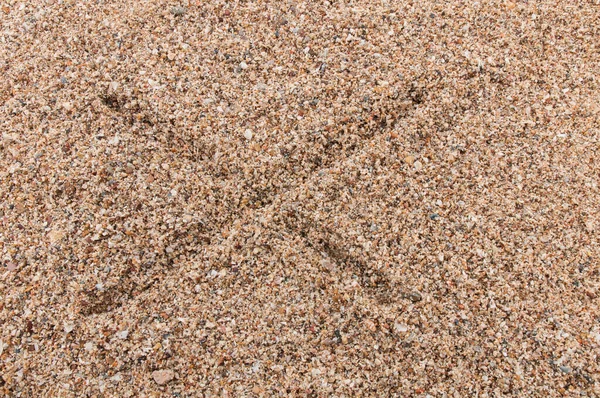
(285, 198)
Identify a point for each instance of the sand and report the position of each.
(362, 198)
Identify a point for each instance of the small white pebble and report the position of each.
(163, 376)
(178, 11)
(248, 134)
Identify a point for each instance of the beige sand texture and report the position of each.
(285, 198)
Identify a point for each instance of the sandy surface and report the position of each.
(363, 198)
